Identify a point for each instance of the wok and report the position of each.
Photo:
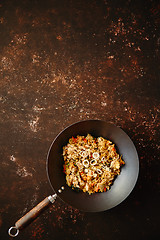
(121, 188)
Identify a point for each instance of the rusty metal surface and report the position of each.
(65, 61)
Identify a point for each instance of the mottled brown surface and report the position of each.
(65, 61)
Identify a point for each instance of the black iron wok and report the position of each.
(121, 188)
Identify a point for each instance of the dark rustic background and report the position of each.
(70, 60)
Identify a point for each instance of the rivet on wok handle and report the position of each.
(31, 215)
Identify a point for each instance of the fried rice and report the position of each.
(91, 164)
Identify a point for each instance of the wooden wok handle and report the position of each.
(31, 215)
